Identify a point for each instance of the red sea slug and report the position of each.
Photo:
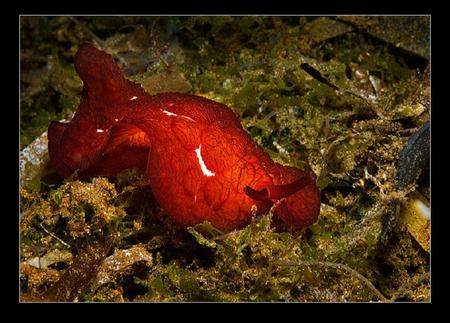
(201, 164)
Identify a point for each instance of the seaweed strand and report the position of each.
(339, 267)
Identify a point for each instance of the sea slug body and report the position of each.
(201, 164)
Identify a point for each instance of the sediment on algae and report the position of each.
(315, 92)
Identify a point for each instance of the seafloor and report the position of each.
(339, 95)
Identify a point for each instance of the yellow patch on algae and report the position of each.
(416, 216)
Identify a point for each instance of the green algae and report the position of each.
(314, 92)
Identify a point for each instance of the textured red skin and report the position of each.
(118, 126)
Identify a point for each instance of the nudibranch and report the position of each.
(201, 164)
